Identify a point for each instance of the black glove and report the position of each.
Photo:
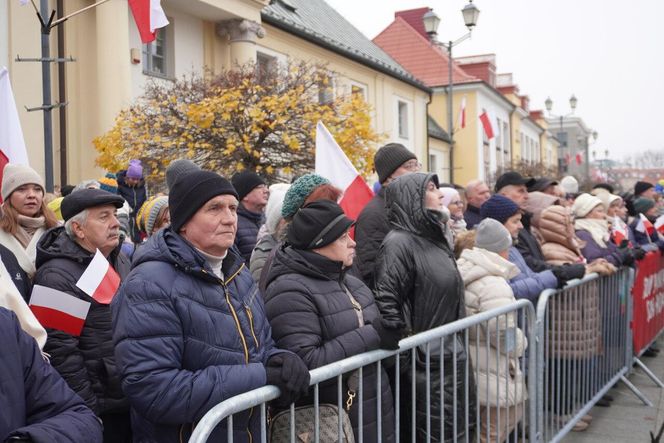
(389, 338)
(568, 272)
(626, 257)
(639, 253)
(288, 372)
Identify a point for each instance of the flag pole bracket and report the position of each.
(47, 107)
(49, 59)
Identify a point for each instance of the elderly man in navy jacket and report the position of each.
(189, 323)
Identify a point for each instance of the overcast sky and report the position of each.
(609, 53)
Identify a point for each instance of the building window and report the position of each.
(433, 163)
(265, 66)
(357, 89)
(402, 109)
(158, 55)
(326, 91)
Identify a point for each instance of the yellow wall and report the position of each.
(381, 88)
(466, 156)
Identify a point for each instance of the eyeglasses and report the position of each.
(412, 165)
(457, 202)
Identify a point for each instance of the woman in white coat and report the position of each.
(495, 347)
(25, 216)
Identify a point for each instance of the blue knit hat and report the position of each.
(498, 207)
(299, 191)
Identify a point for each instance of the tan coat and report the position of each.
(495, 346)
(574, 321)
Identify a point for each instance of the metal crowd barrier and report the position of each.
(485, 356)
(579, 344)
(584, 338)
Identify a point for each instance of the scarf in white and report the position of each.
(598, 229)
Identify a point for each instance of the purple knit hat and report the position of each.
(135, 169)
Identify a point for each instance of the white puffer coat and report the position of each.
(495, 346)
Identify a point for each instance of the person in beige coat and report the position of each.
(495, 348)
(25, 216)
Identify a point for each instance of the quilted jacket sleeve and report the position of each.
(54, 413)
(592, 251)
(528, 284)
(149, 348)
(503, 332)
(394, 280)
(63, 348)
(298, 328)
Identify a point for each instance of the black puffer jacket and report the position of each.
(418, 287)
(371, 228)
(248, 225)
(86, 362)
(312, 315)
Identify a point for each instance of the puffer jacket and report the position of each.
(370, 230)
(418, 287)
(248, 225)
(37, 404)
(561, 246)
(260, 255)
(312, 315)
(86, 362)
(529, 247)
(576, 331)
(485, 276)
(186, 340)
(528, 284)
(592, 250)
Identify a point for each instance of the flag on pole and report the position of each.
(12, 144)
(58, 310)
(644, 226)
(149, 16)
(487, 124)
(332, 163)
(462, 113)
(99, 280)
(579, 158)
(659, 224)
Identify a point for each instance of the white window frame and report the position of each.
(407, 136)
(363, 87)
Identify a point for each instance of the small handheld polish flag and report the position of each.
(58, 310)
(99, 280)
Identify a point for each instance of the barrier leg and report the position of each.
(636, 391)
(649, 373)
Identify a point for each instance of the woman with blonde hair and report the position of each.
(25, 216)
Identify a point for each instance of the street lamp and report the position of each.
(573, 101)
(431, 21)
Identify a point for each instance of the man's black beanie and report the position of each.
(191, 191)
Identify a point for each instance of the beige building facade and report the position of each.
(112, 67)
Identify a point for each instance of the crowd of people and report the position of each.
(229, 285)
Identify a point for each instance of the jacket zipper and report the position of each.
(237, 325)
(251, 323)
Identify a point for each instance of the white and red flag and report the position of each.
(659, 224)
(149, 16)
(462, 113)
(644, 226)
(619, 231)
(12, 144)
(487, 124)
(99, 280)
(332, 163)
(579, 158)
(58, 310)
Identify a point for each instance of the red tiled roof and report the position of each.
(414, 18)
(413, 51)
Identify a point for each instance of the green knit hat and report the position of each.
(299, 191)
(643, 205)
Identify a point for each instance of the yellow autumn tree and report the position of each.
(262, 120)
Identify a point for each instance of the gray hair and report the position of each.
(79, 218)
(87, 184)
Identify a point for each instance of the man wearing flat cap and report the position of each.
(86, 361)
(189, 324)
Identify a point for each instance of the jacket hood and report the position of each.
(477, 263)
(291, 261)
(538, 202)
(404, 199)
(55, 243)
(169, 247)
